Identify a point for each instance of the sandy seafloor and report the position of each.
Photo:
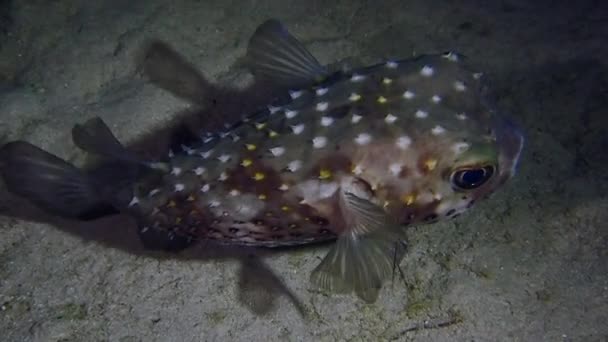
(529, 264)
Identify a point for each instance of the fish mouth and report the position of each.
(510, 139)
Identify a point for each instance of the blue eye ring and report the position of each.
(470, 178)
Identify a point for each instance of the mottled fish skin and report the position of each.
(353, 156)
(395, 132)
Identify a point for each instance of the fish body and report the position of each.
(355, 156)
(394, 132)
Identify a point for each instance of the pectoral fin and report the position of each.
(363, 257)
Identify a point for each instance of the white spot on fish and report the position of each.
(206, 154)
(273, 109)
(437, 196)
(321, 91)
(297, 129)
(408, 95)
(144, 229)
(357, 169)
(390, 118)
(223, 158)
(178, 187)
(387, 81)
(294, 94)
(421, 114)
(477, 75)
(403, 142)
(319, 142)
(234, 192)
(153, 192)
(395, 169)
(363, 139)
(357, 78)
(290, 114)
(294, 165)
(356, 118)
(208, 139)
(322, 106)
(199, 170)
(205, 188)
(326, 121)
(313, 190)
(391, 64)
(460, 147)
(176, 171)
(427, 71)
(214, 204)
(284, 187)
(436, 99)
(451, 56)
(134, 201)
(459, 86)
(189, 151)
(326, 190)
(461, 116)
(277, 151)
(223, 176)
(354, 97)
(438, 130)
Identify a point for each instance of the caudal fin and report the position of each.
(50, 182)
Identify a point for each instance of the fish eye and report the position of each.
(471, 178)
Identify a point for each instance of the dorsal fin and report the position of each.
(276, 55)
(94, 136)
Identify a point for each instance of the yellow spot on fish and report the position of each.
(246, 162)
(382, 99)
(324, 174)
(250, 147)
(408, 199)
(387, 81)
(260, 126)
(178, 220)
(272, 134)
(430, 164)
(262, 197)
(258, 176)
(171, 204)
(190, 198)
(285, 208)
(386, 204)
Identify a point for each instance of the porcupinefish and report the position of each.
(353, 156)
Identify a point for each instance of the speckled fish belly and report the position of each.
(353, 156)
